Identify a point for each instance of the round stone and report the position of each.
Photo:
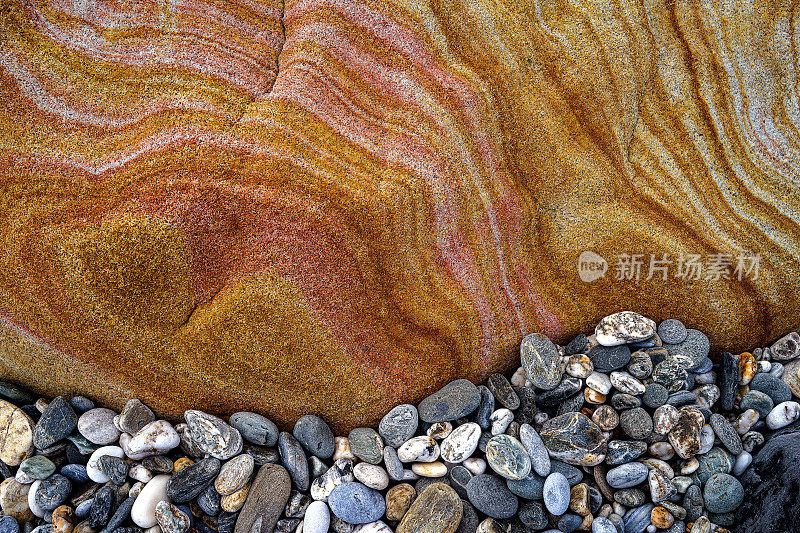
(506, 456)
(294, 459)
(715, 461)
(234, 474)
(623, 327)
(394, 467)
(373, 476)
(636, 423)
(655, 395)
(529, 488)
(556, 493)
(398, 500)
(366, 444)
(57, 421)
(455, 400)
(315, 436)
(422, 449)
(608, 358)
(355, 503)
(97, 425)
(602, 524)
(17, 430)
(782, 415)
(599, 382)
(157, 437)
(490, 495)
(212, 435)
(640, 365)
(317, 518)
(144, 508)
(637, 519)
(627, 475)
(461, 443)
(37, 467)
(690, 352)
(574, 438)
(255, 428)
(579, 366)
(340, 472)
(399, 425)
(52, 492)
(438, 509)
(661, 488)
(664, 419)
(14, 499)
(786, 348)
(722, 493)
(8, 524)
(757, 400)
(500, 420)
(672, 331)
(537, 451)
(605, 417)
(541, 361)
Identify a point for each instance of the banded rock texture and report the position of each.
(337, 206)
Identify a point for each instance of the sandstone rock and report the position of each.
(436, 510)
(266, 500)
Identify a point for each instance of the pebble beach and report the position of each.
(631, 428)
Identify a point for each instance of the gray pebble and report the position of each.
(490, 495)
(315, 436)
(456, 399)
(294, 459)
(672, 331)
(399, 425)
(366, 444)
(556, 493)
(255, 428)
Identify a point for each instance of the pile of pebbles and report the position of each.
(628, 430)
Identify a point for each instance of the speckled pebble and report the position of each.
(556, 493)
(356, 503)
(722, 493)
(255, 428)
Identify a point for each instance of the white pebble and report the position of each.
(373, 476)
(556, 493)
(23, 478)
(377, 526)
(92, 471)
(421, 449)
(140, 473)
(143, 512)
(743, 460)
(97, 426)
(599, 382)
(783, 414)
(435, 469)
(317, 518)
(626, 383)
(764, 366)
(461, 443)
(500, 420)
(155, 438)
(135, 489)
(35, 509)
(476, 465)
(155, 529)
(519, 377)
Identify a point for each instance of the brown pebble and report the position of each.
(181, 463)
(586, 525)
(398, 500)
(17, 430)
(84, 527)
(14, 500)
(593, 397)
(233, 502)
(579, 499)
(62, 519)
(606, 417)
(747, 367)
(661, 518)
(437, 510)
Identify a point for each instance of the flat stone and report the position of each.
(624, 451)
(437, 510)
(600, 382)
(533, 444)
(609, 358)
(56, 422)
(212, 435)
(506, 456)
(317, 518)
(234, 474)
(188, 483)
(627, 475)
(75, 473)
(773, 387)
(340, 472)
(672, 331)
(630, 497)
(315, 436)
(579, 366)
(461, 443)
(102, 504)
(722, 493)
(726, 433)
(626, 383)
(356, 503)
(556, 493)
(786, 348)
(455, 400)
(97, 425)
(14, 499)
(208, 501)
(566, 388)
(366, 444)
(170, 518)
(394, 467)
(37, 467)
(255, 428)
(458, 477)
(485, 408)
(158, 464)
(16, 434)
(757, 400)
(490, 495)
(530, 487)
(399, 425)
(501, 390)
(640, 366)
(115, 468)
(664, 419)
(294, 459)
(692, 351)
(636, 423)
(265, 501)
(541, 361)
(134, 416)
(602, 524)
(623, 327)
(574, 438)
(156, 438)
(398, 500)
(52, 492)
(533, 517)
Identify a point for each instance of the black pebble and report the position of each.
(57, 421)
(100, 510)
(52, 492)
(119, 516)
(209, 501)
(294, 459)
(485, 407)
(188, 483)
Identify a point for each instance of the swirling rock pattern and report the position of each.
(336, 206)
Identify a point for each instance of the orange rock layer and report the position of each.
(337, 206)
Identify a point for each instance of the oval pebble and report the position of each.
(315, 436)
(356, 503)
(783, 414)
(92, 470)
(490, 495)
(556, 493)
(373, 476)
(255, 428)
(627, 475)
(317, 518)
(506, 456)
(461, 443)
(722, 493)
(399, 425)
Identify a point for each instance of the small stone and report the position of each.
(356, 503)
(745, 421)
(605, 417)
(786, 348)
(664, 419)
(567, 388)
(212, 435)
(661, 518)
(17, 430)
(556, 493)
(343, 450)
(672, 331)
(661, 488)
(655, 395)
(747, 368)
(579, 366)
(458, 477)
(394, 467)
(115, 468)
(144, 507)
(670, 374)
(315, 436)
(608, 358)
(500, 421)
(134, 416)
(626, 383)
(75, 473)
(399, 425)
(437, 510)
(502, 391)
(593, 397)
(234, 502)
(476, 465)
(209, 501)
(506, 456)
(662, 450)
(97, 425)
(455, 400)
(637, 519)
(728, 381)
(758, 401)
(636, 423)
(752, 440)
(623, 327)
(14, 499)
(8, 525)
(489, 495)
(716, 461)
(726, 434)
(685, 436)
(234, 474)
(603, 525)
(693, 503)
(486, 406)
(155, 438)
(537, 451)
(56, 422)
(294, 459)
(541, 361)
(92, 469)
(743, 460)
(398, 500)
(772, 387)
(599, 382)
(707, 438)
(782, 415)
(340, 472)
(422, 449)
(317, 518)
(37, 467)
(140, 473)
(266, 500)
(255, 428)
(187, 484)
(630, 497)
(435, 469)
(627, 475)
(52, 492)
(574, 438)
(621, 401)
(170, 518)
(624, 451)
(461, 443)
(373, 476)
(722, 493)
(640, 365)
(692, 351)
(158, 464)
